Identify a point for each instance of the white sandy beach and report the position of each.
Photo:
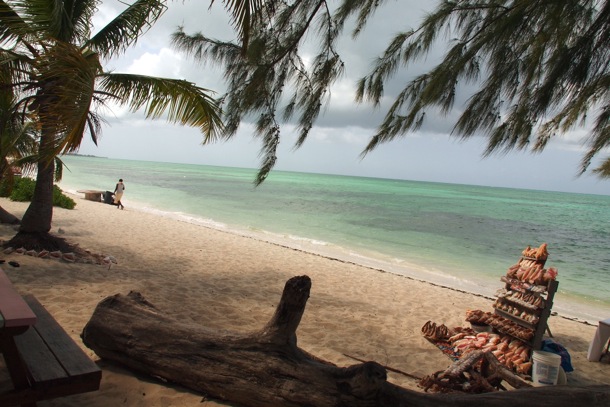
(229, 282)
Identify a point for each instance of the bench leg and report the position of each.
(15, 366)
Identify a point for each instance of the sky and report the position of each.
(335, 144)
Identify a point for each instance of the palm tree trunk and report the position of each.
(37, 218)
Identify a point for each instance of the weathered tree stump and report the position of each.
(266, 368)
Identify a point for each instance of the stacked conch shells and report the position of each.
(526, 300)
(500, 323)
(511, 352)
(70, 257)
(435, 332)
(538, 253)
(507, 307)
(528, 271)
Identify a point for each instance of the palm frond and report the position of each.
(126, 28)
(59, 169)
(18, 138)
(242, 13)
(183, 102)
(73, 19)
(12, 26)
(66, 81)
(15, 72)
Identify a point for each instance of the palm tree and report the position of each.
(55, 66)
(18, 143)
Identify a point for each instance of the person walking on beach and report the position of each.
(118, 194)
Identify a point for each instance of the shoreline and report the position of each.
(229, 283)
(410, 248)
(575, 309)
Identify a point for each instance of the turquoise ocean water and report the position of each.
(461, 236)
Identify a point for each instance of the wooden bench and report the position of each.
(42, 359)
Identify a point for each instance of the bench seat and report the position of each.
(14, 311)
(54, 364)
(92, 195)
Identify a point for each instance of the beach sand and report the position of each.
(229, 282)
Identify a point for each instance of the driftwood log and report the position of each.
(267, 368)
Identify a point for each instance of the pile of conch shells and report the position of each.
(84, 256)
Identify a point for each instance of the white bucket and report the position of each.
(545, 371)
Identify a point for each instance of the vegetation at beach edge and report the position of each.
(23, 191)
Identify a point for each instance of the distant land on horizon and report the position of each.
(346, 175)
(84, 155)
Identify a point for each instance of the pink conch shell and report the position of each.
(551, 273)
(55, 254)
(109, 259)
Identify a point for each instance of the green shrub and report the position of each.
(6, 187)
(61, 200)
(23, 191)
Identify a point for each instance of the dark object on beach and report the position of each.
(109, 197)
(14, 263)
(8, 218)
(266, 368)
